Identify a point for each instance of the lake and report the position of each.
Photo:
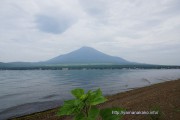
(26, 91)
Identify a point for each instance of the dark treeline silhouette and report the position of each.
(86, 67)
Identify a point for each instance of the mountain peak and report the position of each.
(87, 55)
(86, 48)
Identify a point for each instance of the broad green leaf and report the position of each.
(89, 92)
(78, 92)
(80, 116)
(93, 113)
(107, 114)
(98, 100)
(98, 92)
(65, 111)
(71, 107)
(95, 97)
(83, 97)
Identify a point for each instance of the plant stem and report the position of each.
(86, 111)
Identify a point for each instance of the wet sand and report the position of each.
(165, 96)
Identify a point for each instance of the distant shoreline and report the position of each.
(89, 67)
(164, 95)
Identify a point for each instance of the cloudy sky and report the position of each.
(145, 31)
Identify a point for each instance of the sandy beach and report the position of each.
(165, 96)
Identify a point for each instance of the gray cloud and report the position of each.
(141, 31)
(53, 25)
(172, 8)
(147, 24)
(94, 7)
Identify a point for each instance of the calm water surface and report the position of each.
(24, 92)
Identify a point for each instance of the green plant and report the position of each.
(84, 106)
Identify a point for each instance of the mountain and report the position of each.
(87, 55)
(18, 64)
(82, 56)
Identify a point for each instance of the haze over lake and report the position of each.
(24, 92)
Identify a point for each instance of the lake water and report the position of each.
(28, 91)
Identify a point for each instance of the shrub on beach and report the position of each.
(84, 106)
